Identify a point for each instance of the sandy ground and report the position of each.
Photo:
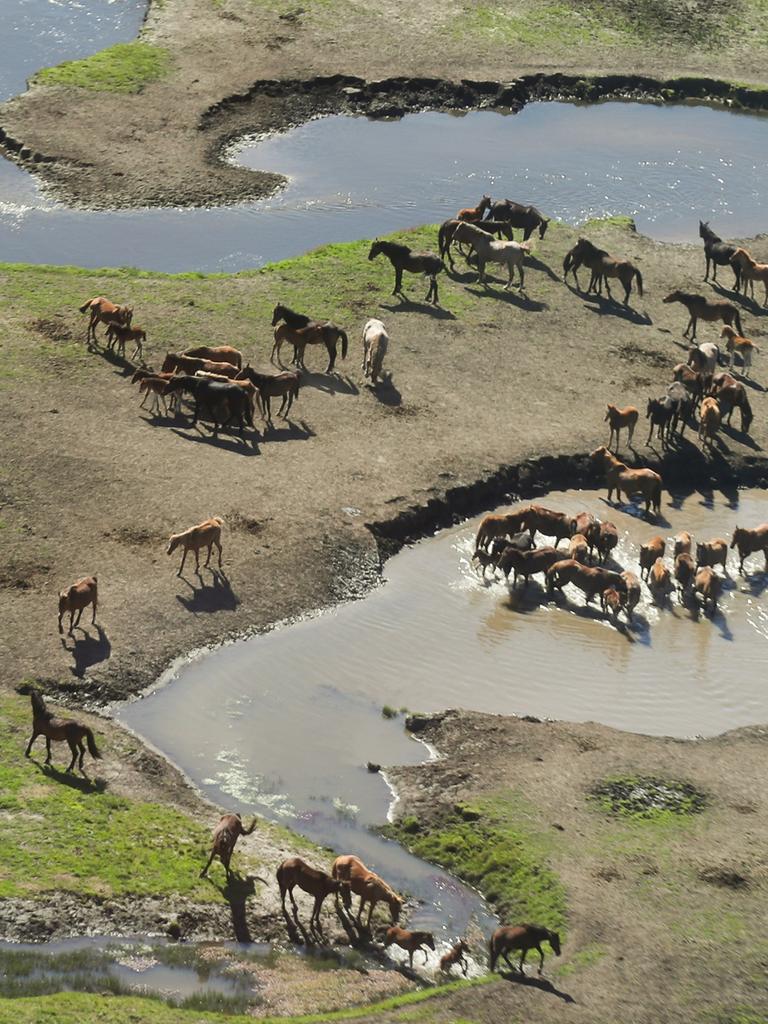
(162, 147)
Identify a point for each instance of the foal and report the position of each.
(618, 418)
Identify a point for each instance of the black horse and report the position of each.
(293, 319)
(717, 252)
(526, 217)
(402, 258)
(220, 402)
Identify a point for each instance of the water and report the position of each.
(40, 33)
(354, 178)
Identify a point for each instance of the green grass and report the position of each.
(76, 1008)
(492, 845)
(124, 67)
(55, 836)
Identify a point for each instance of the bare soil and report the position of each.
(241, 66)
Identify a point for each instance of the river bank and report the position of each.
(202, 73)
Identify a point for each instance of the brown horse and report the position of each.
(500, 525)
(368, 886)
(204, 535)
(76, 598)
(44, 723)
(618, 418)
(174, 362)
(296, 872)
(103, 311)
(632, 592)
(649, 552)
(225, 835)
(603, 266)
(710, 420)
(474, 213)
(548, 523)
(327, 334)
(607, 540)
(751, 271)
(701, 308)
(732, 396)
(712, 552)
(522, 937)
(633, 482)
(217, 354)
(744, 347)
(589, 580)
(707, 585)
(455, 955)
(685, 572)
(285, 385)
(528, 563)
(450, 233)
(749, 542)
(411, 941)
(119, 334)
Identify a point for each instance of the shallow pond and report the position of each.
(39, 33)
(351, 177)
(284, 723)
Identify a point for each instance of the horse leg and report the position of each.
(48, 749)
(35, 733)
(522, 276)
(331, 357)
(706, 270)
(197, 561)
(523, 955)
(81, 746)
(541, 959)
(398, 281)
(410, 958)
(210, 548)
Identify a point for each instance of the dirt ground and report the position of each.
(160, 146)
(666, 920)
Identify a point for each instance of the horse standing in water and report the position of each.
(403, 258)
(518, 216)
(44, 723)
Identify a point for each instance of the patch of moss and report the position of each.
(647, 797)
(492, 845)
(124, 67)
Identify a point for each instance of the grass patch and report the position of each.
(124, 67)
(491, 845)
(54, 835)
(646, 797)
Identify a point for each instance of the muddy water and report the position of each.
(284, 723)
(354, 178)
(39, 33)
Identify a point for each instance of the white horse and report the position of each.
(705, 357)
(489, 250)
(375, 344)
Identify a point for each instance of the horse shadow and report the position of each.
(161, 419)
(331, 383)
(535, 982)
(216, 596)
(83, 783)
(235, 892)
(749, 304)
(236, 445)
(757, 582)
(740, 437)
(534, 263)
(290, 431)
(637, 512)
(87, 650)
(518, 298)
(407, 305)
(385, 392)
(603, 305)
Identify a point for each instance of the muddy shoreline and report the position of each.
(276, 105)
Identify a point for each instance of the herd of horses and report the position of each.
(505, 542)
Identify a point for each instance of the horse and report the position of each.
(733, 396)
(632, 592)
(606, 266)
(619, 477)
(712, 552)
(175, 362)
(704, 358)
(685, 571)
(474, 213)
(76, 598)
(410, 941)
(285, 385)
(447, 234)
(649, 553)
(403, 258)
(293, 319)
(204, 535)
(154, 384)
(607, 540)
(500, 525)
(119, 334)
(584, 253)
(455, 955)
(44, 723)
(522, 937)
(618, 418)
(217, 354)
(707, 584)
(701, 308)
(710, 420)
(296, 872)
(225, 835)
(749, 542)
(518, 216)
(488, 250)
(745, 347)
(683, 544)
(375, 345)
(368, 886)
(660, 581)
(591, 580)
(717, 252)
(222, 402)
(661, 413)
(551, 524)
(314, 333)
(528, 563)
(578, 548)
(750, 271)
(611, 600)
(693, 382)
(105, 312)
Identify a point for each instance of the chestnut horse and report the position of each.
(327, 334)
(225, 835)
(44, 723)
(76, 598)
(204, 535)
(474, 213)
(617, 418)
(701, 308)
(411, 941)
(296, 872)
(368, 886)
(633, 482)
(749, 542)
(522, 937)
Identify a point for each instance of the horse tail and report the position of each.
(656, 496)
(344, 342)
(737, 320)
(93, 750)
(639, 277)
(441, 243)
(567, 264)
